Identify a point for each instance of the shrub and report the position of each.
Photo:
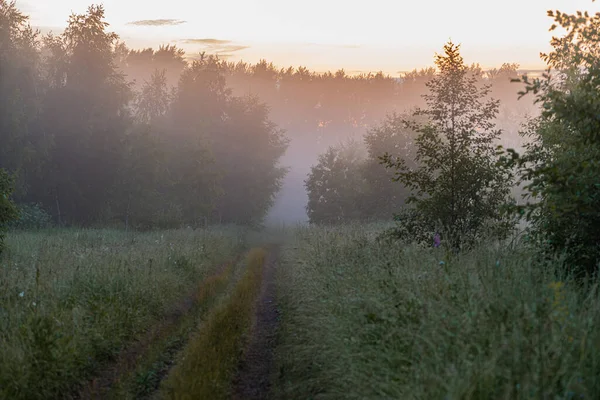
(8, 210)
(31, 216)
(561, 163)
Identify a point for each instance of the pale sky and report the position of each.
(388, 35)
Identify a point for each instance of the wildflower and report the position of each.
(437, 240)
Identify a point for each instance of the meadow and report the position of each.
(71, 300)
(359, 318)
(363, 319)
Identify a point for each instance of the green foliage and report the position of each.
(456, 186)
(175, 148)
(8, 210)
(560, 165)
(73, 299)
(350, 184)
(365, 320)
(336, 186)
(32, 216)
(384, 196)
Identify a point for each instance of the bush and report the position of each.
(560, 164)
(8, 210)
(32, 216)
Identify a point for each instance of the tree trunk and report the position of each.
(57, 207)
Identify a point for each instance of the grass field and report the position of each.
(362, 320)
(70, 300)
(356, 318)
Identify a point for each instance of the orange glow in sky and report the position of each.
(387, 35)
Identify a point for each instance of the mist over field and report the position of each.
(319, 110)
(252, 206)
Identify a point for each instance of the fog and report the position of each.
(154, 115)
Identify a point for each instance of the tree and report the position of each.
(336, 186)
(384, 197)
(21, 150)
(8, 210)
(247, 148)
(561, 162)
(456, 182)
(86, 113)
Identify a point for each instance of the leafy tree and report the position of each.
(21, 150)
(86, 112)
(8, 210)
(247, 149)
(383, 196)
(235, 139)
(456, 182)
(193, 180)
(336, 186)
(561, 162)
(154, 100)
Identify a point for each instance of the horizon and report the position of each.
(312, 40)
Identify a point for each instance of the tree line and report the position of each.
(90, 147)
(95, 132)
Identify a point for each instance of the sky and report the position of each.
(393, 36)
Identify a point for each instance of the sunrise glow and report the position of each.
(392, 36)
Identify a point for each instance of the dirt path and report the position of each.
(128, 359)
(252, 380)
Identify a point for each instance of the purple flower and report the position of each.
(437, 240)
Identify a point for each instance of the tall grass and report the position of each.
(368, 320)
(153, 365)
(71, 299)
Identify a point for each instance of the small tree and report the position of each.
(456, 182)
(8, 210)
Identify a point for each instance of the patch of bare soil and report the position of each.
(128, 359)
(252, 381)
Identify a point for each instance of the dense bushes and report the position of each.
(31, 216)
(8, 210)
(561, 163)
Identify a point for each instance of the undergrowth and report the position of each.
(70, 300)
(363, 319)
(143, 380)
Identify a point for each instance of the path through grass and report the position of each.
(70, 300)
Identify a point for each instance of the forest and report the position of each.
(178, 225)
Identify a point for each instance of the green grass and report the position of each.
(364, 320)
(155, 363)
(209, 361)
(70, 300)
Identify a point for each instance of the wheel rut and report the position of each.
(253, 378)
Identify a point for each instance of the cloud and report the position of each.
(157, 22)
(222, 48)
(209, 41)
